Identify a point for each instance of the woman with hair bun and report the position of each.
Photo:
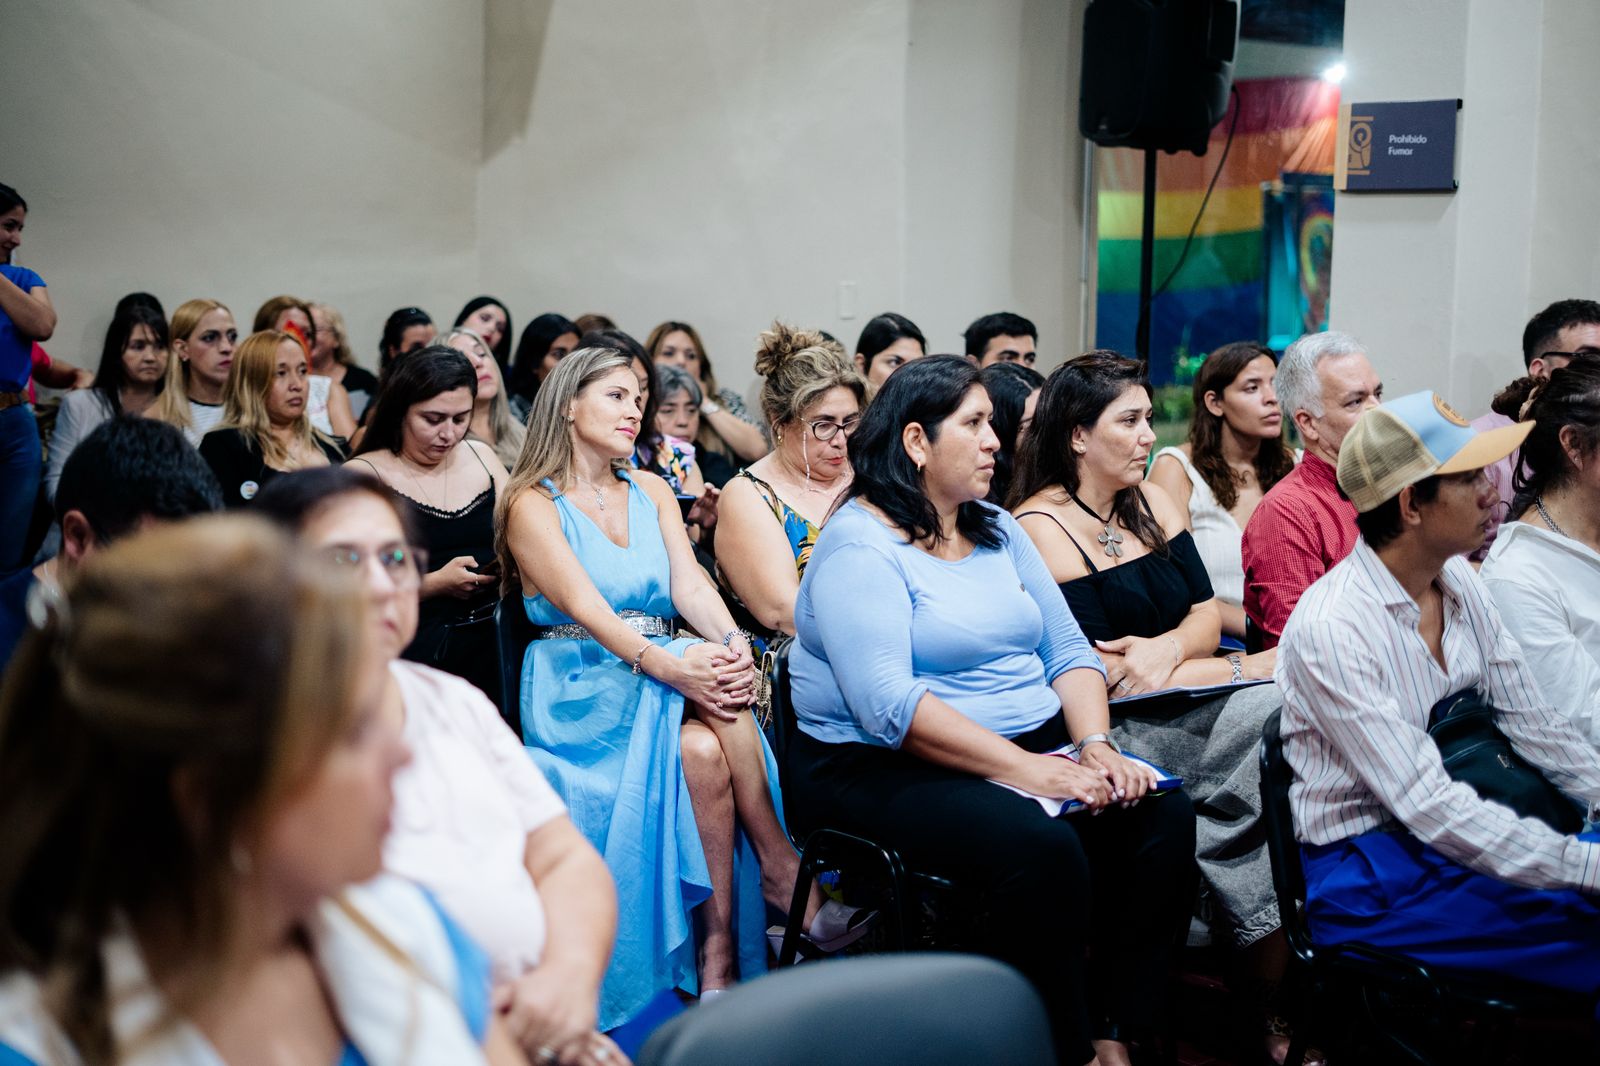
(194, 842)
(1544, 567)
(771, 512)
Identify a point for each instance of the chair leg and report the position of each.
(792, 928)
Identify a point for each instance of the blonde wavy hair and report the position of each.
(341, 336)
(547, 450)
(172, 405)
(244, 401)
(798, 366)
(508, 432)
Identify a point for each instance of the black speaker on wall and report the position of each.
(1156, 73)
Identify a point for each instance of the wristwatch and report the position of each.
(1238, 669)
(1100, 738)
(710, 407)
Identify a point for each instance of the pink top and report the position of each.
(1299, 530)
(463, 810)
(1500, 477)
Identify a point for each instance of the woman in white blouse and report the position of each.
(1544, 568)
(474, 821)
(1234, 454)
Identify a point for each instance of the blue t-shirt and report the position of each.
(16, 350)
(880, 622)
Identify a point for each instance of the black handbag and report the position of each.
(1476, 752)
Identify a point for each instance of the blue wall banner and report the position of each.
(1390, 147)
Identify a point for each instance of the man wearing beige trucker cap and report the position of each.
(1397, 854)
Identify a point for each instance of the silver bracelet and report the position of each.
(1238, 668)
(638, 660)
(1177, 650)
(1099, 738)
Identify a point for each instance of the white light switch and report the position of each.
(847, 299)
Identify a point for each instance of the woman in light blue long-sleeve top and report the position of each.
(934, 658)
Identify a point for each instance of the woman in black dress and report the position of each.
(417, 444)
(1120, 549)
(265, 430)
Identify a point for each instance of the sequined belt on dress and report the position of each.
(646, 625)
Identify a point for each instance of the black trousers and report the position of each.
(1119, 883)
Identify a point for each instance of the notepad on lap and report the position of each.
(1166, 781)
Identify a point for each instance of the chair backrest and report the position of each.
(783, 718)
(931, 1009)
(513, 631)
(1288, 875)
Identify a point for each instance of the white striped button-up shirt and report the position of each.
(1358, 684)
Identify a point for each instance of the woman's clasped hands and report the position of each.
(721, 680)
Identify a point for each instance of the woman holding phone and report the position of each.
(417, 444)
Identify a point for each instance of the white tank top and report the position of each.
(1216, 535)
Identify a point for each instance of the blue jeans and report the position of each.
(21, 465)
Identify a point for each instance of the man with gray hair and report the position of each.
(1302, 526)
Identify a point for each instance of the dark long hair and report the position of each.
(532, 347)
(10, 200)
(502, 348)
(412, 379)
(1009, 385)
(1273, 459)
(111, 375)
(883, 331)
(926, 392)
(394, 327)
(1076, 394)
(1570, 398)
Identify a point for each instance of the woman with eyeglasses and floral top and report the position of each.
(769, 514)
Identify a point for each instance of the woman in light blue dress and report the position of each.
(679, 804)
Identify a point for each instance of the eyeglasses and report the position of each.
(826, 429)
(404, 564)
(1581, 353)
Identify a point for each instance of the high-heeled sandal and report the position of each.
(834, 928)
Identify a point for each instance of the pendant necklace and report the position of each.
(599, 500)
(1110, 540)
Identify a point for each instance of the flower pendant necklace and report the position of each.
(1110, 539)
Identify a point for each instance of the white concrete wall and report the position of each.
(1440, 285)
(716, 161)
(726, 161)
(234, 150)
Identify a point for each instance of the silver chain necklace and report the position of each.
(599, 500)
(1551, 522)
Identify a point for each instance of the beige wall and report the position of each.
(1438, 285)
(722, 161)
(233, 150)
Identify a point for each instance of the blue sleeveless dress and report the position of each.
(607, 741)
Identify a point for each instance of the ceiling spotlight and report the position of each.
(1335, 73)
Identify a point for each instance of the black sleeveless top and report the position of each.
(457, 635)
(1143, 598)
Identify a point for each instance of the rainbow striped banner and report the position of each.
(1286, 125)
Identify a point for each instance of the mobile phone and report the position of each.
(685, 503)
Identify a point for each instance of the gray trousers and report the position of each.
(1214, 748)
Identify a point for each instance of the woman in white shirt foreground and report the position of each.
(191, 841)
(474, 821)
(1544, 568)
